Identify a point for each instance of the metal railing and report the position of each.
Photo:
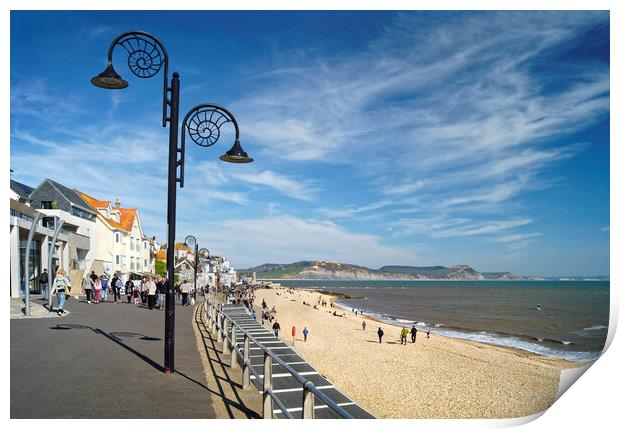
(226, 329)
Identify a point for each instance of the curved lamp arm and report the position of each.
(190, 240)
(146, 56)
(203, 124)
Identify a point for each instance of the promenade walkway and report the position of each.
(105, 361)
(285, 386)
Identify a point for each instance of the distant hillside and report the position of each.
(329, 270)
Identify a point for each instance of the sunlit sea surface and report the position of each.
(571, 323)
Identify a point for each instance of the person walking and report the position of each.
(380, 334)
(162, 292)
(184, 288)
(129, 290)
(113, 286)
(276, 328)
(104, 288)
(44, 282)
(414, 331)
(97, 288)
(143, 290)
(89, 284)
(150, 291)
(60, 286)
(305, 332)
(363, 325)
(135, 294)
(403, 335)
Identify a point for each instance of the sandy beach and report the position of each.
(437, 377)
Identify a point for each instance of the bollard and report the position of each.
(246, 362)
(267, 384)
(233, 350)
(226, 343)
(308, 398)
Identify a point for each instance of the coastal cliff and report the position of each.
(329, 270)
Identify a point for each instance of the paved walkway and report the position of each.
(105, 361)
(288, 389)
(38, 308)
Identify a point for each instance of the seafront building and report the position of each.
(20, 223)
(121, 247)
(95, 236)
(57, 201)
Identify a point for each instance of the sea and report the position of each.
(561, 319)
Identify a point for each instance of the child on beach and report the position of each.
(380, 334)
(364, 325)
(305, 332)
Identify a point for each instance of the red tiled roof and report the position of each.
(93, 202)
(127, 215)
(127, 218)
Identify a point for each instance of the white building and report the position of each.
(121, 247)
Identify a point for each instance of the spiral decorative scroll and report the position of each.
(145, 56)
(190, 240)
(204, 125)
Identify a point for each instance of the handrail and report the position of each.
(307, 386)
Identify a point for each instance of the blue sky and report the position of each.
(417, 138)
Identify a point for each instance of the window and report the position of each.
(118, 238)
(46, 204)
(145, 245)
(133, 263)
(118, 259)
(48, 222)
(146, 262)
(21, 215)
(82, 213)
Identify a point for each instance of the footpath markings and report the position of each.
(288, 389)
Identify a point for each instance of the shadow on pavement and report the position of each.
(218, 366)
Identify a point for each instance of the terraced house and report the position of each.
(121, 247)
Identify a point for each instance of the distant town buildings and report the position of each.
(96, 235)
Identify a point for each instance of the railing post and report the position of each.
(267, 384)
(226, 340)
(246, 362)
(308, 398)
(220, 337)
(233, 350)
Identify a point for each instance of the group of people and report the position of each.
(150, 291)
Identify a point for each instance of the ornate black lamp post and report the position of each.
(204, 255)
(146, 57)
(190, 240)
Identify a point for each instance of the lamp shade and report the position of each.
(236, 155)
(109, 79)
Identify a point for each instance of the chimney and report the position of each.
(117, 204)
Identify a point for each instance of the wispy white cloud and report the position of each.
(454, 112)
(287, 239)
(350, 211)
(517, 237)
(280, 183)
(444, 227)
